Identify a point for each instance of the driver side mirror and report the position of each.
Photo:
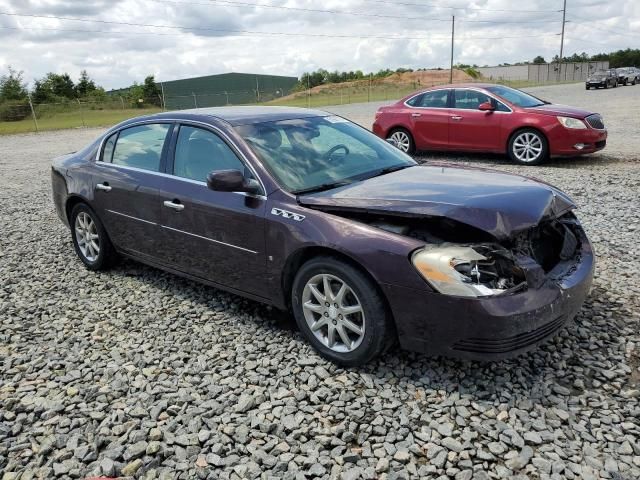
(231, 181)
(486, 107)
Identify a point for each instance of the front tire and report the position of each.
(403, 139)
(341, 312)
(528, 147)
(90, 239)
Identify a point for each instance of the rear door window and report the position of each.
(434, 99)
(141, 146)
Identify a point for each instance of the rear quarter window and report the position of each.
(107, 149)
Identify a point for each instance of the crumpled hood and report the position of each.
(498, 203)
(562, 110)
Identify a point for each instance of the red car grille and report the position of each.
(595, 121)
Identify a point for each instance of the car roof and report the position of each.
(241, 115)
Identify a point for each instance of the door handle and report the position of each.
(103, 186)
(416, 114)
(178, 207)
(456, 118)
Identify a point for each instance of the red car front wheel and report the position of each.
(528, 147)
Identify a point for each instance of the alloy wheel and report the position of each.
(87, 236)
(333, 313)
(527, 147)
(402, 140)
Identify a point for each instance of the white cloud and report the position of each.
(205, 45)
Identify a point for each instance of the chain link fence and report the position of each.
(17, 117)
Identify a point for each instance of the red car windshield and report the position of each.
(516, 97)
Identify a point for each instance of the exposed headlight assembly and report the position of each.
(573, 123)
(464, 271)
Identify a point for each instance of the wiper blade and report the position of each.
(384, 171)
(322, 187)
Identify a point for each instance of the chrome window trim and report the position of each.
(209, 239)
(422, 93)
(487, 93)
(174, 177)
(207, 126)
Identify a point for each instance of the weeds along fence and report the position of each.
(24, 116)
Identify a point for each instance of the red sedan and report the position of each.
(489, 118)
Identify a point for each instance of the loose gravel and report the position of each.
(135, 372)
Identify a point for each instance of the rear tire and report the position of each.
(404, 140)
(528, 147)
(90, 239)
(341, 312)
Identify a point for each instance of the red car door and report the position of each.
(430, 119)
(471, 128)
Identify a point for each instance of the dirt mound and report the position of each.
(420, 79)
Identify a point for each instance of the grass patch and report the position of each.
(73, 119)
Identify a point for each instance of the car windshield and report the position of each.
(319, 153)
(516, 97)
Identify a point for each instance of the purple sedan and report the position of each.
(310, 213)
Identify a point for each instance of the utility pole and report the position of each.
(453, 32)
(33, 111)
(164, 103)
(564, 17)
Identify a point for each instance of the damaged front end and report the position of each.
(464, 261)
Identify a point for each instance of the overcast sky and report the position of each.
(108, 40)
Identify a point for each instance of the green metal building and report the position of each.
(224, 89)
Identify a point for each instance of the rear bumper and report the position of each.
(378, 130)
(491, 328)
(578, 142)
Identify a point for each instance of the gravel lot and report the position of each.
(136, 372)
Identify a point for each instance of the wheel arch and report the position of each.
(519, 129)
(400, 126)
(73, 200)
(304, 254)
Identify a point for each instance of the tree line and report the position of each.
(60, 88)
(618, 59)
(621, 58)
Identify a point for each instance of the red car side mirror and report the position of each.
(486, 107)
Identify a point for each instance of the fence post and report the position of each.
(227, 95)
(195, 100)
(33, 112)
(81, 113)
(164, 103)
(121, 101)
